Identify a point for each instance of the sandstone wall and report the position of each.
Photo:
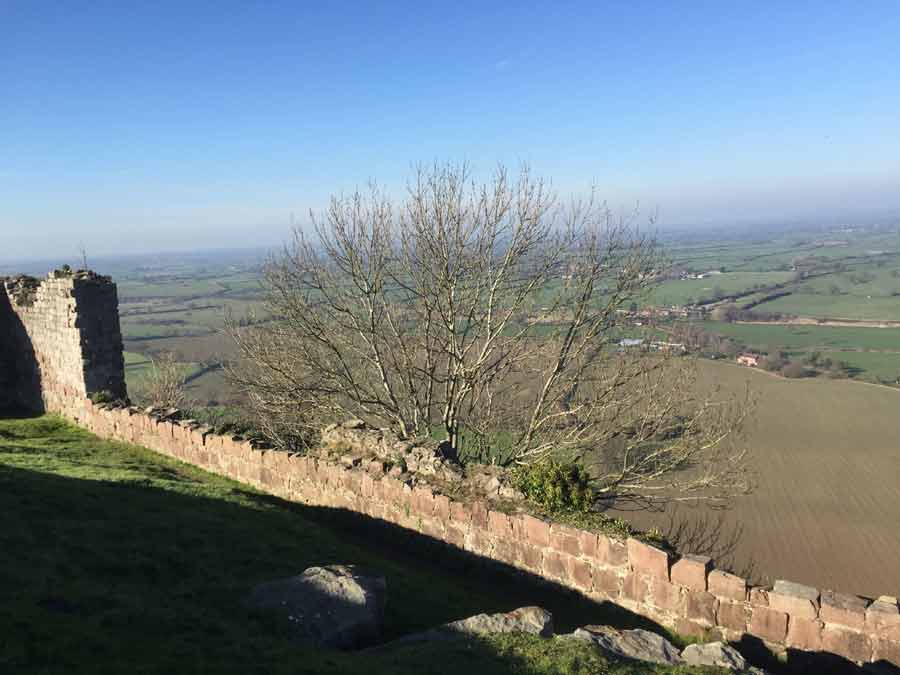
(62, 340)
(685, 592)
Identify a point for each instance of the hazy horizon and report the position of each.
(174, 128)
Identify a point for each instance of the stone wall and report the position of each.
(686, 592)
(61, 340)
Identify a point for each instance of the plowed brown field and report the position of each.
(826, 510)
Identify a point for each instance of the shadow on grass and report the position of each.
(100, 576)
(18, 413)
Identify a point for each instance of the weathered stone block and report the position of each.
(768, 624)
(505, 550)
(690, 628)
(555, 565)
(805, 634)
(500, 525)
(580, 574)
(607, 584)
(611, 552)
(886, 651)
(442, 507)
(460, 513)
(455, 536)
(479, 541)
(759, 597)
(531, 557)
(701, 607)
(536, 531)
(734, 616)
(648, 559)
(479, 511)
(849, 644)
(587, 542)
(725, 585)
(795, 599)
(423, 501)
(564, 539)
(635, 587)
(843, 610)
(883, 618)
(691, 571)
(666, 595)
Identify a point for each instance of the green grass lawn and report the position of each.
(114, 559)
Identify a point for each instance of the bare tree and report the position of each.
(164, 384)
(483, 313)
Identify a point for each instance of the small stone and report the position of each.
(714, 654)
(634, 644)
(531, 620)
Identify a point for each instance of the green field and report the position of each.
(809, 337)
(180, 304)
(873, 366)
(118, 560)
(872, 354)
(853, 307)
(690, 291)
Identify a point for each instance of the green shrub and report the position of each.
(104, 396)
(556, 486)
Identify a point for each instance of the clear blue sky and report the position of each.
(134, 126)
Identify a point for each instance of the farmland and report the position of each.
(824, 510)
(690, 291)
(832, 291)
(179, 303)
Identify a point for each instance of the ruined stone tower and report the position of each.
(59, 340)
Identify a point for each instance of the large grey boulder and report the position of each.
(340, 606)
(633, 644)
(714, 654)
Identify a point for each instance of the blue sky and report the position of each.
(166, 125)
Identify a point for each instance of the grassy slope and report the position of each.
(115, 559)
